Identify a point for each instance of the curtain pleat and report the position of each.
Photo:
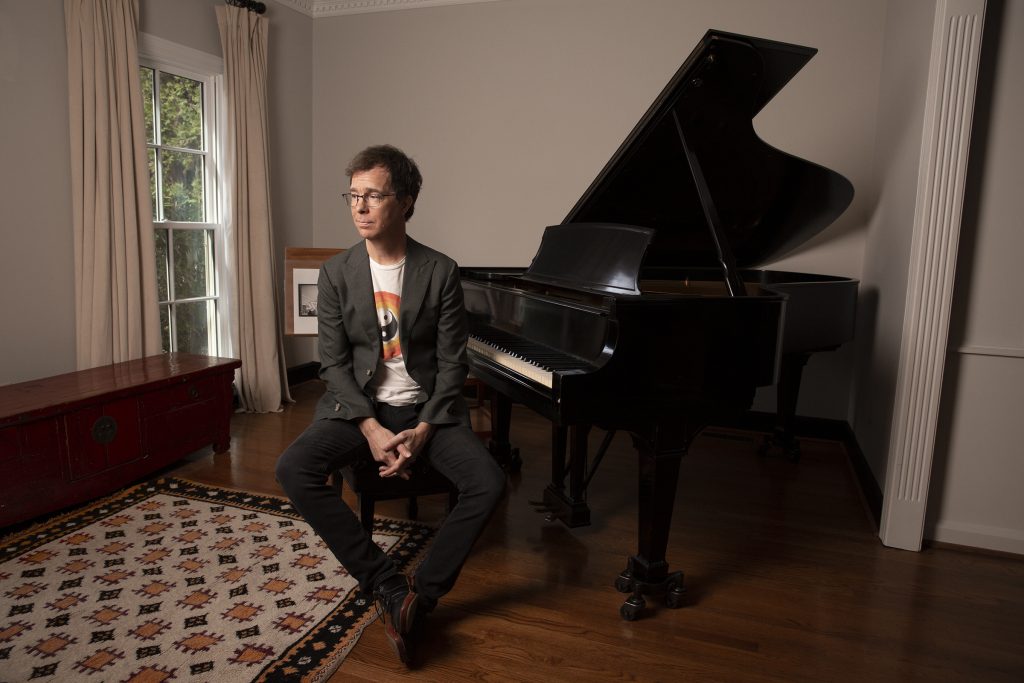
(116, 311)
(262, 384)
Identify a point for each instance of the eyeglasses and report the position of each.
(372, 199)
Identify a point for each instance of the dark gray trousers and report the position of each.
(453, 450)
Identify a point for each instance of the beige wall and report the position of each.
(37, 305)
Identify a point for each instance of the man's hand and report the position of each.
(379, 436)
(406, 445)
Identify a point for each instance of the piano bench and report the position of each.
(370, 487)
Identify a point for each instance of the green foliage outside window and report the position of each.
(173, 114)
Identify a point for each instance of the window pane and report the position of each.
(152, 181)
(162, 292)
(173, 106)
(182, 184)
(146, 76)
(165, 328)
(193, 263)
(194, 325)
(181, 111)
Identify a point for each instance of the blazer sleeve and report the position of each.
(445, 403)
(336, 353)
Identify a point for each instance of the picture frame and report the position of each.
(301, 270)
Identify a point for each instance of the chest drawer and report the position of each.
(176, 396)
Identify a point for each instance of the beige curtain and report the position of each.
(116, 315)
(263, 384)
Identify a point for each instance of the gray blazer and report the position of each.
(433, 331)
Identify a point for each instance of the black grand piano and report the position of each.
(642, 311)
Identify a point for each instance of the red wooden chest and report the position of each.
(81, 435)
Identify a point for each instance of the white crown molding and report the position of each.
(334, 8)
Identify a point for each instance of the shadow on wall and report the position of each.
(872, 421)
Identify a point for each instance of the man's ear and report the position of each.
(406, 203)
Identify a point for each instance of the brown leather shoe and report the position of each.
(396, 606)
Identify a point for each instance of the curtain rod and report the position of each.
(251, 5)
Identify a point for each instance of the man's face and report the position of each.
(385, 222)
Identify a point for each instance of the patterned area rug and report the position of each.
(172, 580)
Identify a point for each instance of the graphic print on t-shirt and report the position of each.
(388, 305)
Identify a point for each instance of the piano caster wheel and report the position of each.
(674, 596)
(630, 609)
(624, 582)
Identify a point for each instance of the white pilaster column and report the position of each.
(949, 108)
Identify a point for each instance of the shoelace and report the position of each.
(381, 609)
(382, 601)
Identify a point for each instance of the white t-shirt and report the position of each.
(391, 382)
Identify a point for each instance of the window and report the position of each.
(180, 104)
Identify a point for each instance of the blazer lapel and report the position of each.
(418, 268)
(357, 274)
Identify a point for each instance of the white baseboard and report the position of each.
(980, 536)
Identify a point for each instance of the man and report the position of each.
(394, 380)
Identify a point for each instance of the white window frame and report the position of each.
(158, 53)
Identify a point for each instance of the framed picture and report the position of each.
(301, 269)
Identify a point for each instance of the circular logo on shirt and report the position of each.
(388, 305)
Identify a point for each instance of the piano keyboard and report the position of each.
(516, 363)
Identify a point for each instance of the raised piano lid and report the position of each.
(767, 202)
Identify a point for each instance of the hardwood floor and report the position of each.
(786, 579)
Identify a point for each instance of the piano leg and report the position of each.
(501, 423)
(646, 573)
(559, 434)
(572, 509)
(783, 438)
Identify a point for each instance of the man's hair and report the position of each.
(405, 174)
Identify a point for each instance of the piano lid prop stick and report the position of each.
(725, 257)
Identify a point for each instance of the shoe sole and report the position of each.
(405, 619)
